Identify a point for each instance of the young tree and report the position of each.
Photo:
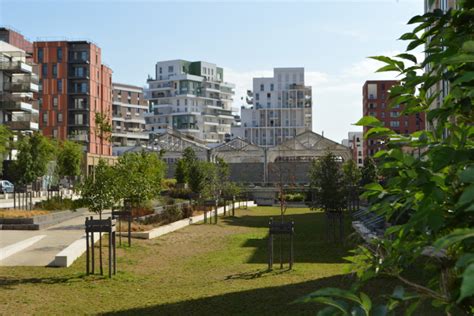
(5, 135)
(369, 171)
(34, 154)
(180, 172)
(103, 128)
(139, 176)
(69, 160)
(435, 189)
(327, 181)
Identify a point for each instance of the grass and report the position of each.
(200, 270)
(21, 213)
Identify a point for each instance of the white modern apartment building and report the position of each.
(281, 108)
(128, 117)
(192, 98)
(18, 82)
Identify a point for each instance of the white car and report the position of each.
(6, 186)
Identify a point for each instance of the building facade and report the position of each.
(376, 103)
(192, 98)
(128, 117)
(18, 83)
(355, 142)
(16, 39)
(75, 86)
(281, 108)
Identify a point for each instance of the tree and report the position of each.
(327, 181)
(103, 129)
(369, 171)
(138, 176)
(432, 191)
(34, 154)
(5, 135)
(69, 160)
(180, 172)
(352, 174)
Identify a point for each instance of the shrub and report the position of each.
(172, 214)
(168, 184)
(295, 197)
(57, 204)
(187, 211)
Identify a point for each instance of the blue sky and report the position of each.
(331, 39)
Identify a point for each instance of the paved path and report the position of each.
(42, 252)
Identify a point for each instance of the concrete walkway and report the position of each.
(43, 251)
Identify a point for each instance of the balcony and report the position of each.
(15, 67)
(11, 105)
(18, 87)
(22, 122)
(79, 138)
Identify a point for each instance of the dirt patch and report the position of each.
(21, 213)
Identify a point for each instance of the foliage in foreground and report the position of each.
(429, 201)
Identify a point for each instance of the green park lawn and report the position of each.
(199, 270)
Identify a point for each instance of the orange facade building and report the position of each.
(376, 103)
(75, 86)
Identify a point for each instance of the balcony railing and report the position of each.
(11, 105)
(79, 138)
(15, 66)
(16, 87)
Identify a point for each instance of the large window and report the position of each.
(60, 85)
(44, 70)
(59, 54)
(394, 124)
(40, 54)
(55, 71)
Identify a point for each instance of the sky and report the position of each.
(331, 39)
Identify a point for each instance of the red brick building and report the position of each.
(75, 85)
(376, 103)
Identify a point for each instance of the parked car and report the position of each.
(6, 186)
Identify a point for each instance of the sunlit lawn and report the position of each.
(201, 269)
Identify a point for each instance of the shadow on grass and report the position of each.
(263, 301)
(7, 283)
(311, 244)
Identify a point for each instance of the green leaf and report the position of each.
(366, 303)
(388, 68)
(416, 19)
(465, 260)
(467, 176)
(414, 44)
(466, 77)
(408, 56)
(467, 196)
(456, 236)
(467, 285)
(459, 58)
(408, 36)
(373, 187)
(468, 46)
(369, 121)
(378, 132)
(340, 305)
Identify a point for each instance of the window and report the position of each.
(40, 54)
(55, 102)
(79, 119)
(60, 85)
(55, 133)
(394, 114)
(269, 95)
(394, 124)
(170, 68)
(161, 70)
(272, 87)
(262, 87)
(59, 54)
(55, 71)
(382, 115)
(44, 70)
(60, 117)
(45, 118)
(257, 96)
(83, 55)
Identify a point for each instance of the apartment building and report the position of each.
(192, 98)
(128, 119)
(75, 86)
(281, 108)
(18, 83)
(355, 142)
(442, 86)
(16, 39)
(376, 103)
